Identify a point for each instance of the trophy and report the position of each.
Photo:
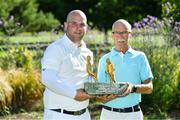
(93, 87)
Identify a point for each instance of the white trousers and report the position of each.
(110, 115)
(53, 115)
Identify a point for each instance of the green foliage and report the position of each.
(20, 87)
(10, 26)
(171, 9)
(102, 13)
(18, 57)
(26, 12)
(166, 70)
(7, 6)
(27, 88)
(6, 94)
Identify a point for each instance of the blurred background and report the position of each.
(27, 27)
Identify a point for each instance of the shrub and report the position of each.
(166, 70)
(27, 88)
(17, 57)
(6, 94)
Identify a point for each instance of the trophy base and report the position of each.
(105, 88)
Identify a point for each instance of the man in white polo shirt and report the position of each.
(64, 72)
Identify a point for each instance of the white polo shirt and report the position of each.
(63, 72)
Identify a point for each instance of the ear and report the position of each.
(112, 35)
(88, 28)
(65, 26)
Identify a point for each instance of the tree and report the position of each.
(102, 13)
(171, 8)
(26, 12)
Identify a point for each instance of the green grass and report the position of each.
(147, 40)
(91, 37)
(24, 38)
(24, 116)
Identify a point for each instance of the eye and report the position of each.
(73, 23)
(119, 33)
(82, 25)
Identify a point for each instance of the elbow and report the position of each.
(44, 78)
(150, 90)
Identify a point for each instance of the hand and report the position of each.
(129, 90)
(106, 98)
(81, 95)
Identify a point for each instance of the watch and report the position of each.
(134, 89)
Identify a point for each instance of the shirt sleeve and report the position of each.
(145, 70)
(53, 82)
(52, 58)
(101, 71)
(51, 64)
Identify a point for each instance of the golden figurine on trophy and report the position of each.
(110, 70)
(89, 68)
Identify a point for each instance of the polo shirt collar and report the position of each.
(71, 44)
(114, 52)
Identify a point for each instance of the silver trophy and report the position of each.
(93, 87)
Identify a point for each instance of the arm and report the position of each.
(53, 82)
(146, 76)
(51, 64)
(145, 88)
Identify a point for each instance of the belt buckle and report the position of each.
(77, 113)
(111, 109)
(132, 109)
(80, 112)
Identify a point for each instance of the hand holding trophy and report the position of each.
(97, 88)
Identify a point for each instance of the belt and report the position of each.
(80, 112)
(124, 110)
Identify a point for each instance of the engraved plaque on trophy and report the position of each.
(93, 87)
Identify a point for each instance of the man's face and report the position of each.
(120, 36)
(76, 27)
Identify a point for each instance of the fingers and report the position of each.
(81, 95)
(106, 98)
(129, 89)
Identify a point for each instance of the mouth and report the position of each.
(121, 40)
(77, 33)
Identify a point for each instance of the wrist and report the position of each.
(134, 89)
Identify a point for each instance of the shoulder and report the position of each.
(104, 57)
(89, 51)
(58, 44)
(54, 48)
(138, 53)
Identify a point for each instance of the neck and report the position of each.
(123, 50)
(77, 42)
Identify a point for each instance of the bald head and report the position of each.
(122, 22)
(75, 26)
(76, 12)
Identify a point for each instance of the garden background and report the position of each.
(27, 27)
